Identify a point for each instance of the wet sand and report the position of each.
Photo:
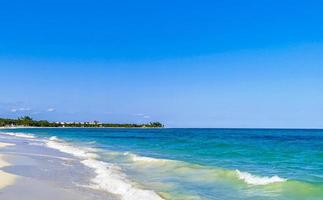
(6, 178)
(29, 172)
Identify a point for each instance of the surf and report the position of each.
(109, 177)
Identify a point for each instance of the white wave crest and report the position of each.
(85, 153)
(54, 138)
(108, 177)
(111, 179)
(258, 180)
(20, 135)
(137, 158)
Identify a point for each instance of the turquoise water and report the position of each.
(206, 163)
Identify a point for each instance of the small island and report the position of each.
(27, 121)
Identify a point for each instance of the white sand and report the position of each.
(3, 144)
(6, 179)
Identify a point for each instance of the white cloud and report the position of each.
(51, 109)
(142, 115)
(20, 109)
(138, 114)
(13, 110)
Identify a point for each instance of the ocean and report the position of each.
(192, 164)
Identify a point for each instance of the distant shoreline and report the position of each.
(26, 122)
(34, 127)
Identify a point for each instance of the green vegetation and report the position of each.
(28, 121)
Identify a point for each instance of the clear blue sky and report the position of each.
(184, 63)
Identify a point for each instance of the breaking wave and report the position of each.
(144, 159)
(109, 177)
(258, 180)
(211, 173)
(20, 135)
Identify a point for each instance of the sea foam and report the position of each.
(144, 159)
(109, 177)
(20, 135)
(55, 143)
(258, 180)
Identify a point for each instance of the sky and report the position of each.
(248, 64)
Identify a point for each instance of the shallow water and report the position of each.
(194, 163)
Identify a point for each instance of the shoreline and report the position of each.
(33, 127)
(7, 179)
(51, 167)
(32, 172)
(44, 159)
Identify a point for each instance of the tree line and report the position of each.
(29, 122)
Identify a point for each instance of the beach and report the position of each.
(30, 172)
(157, 164)
(7, 179)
